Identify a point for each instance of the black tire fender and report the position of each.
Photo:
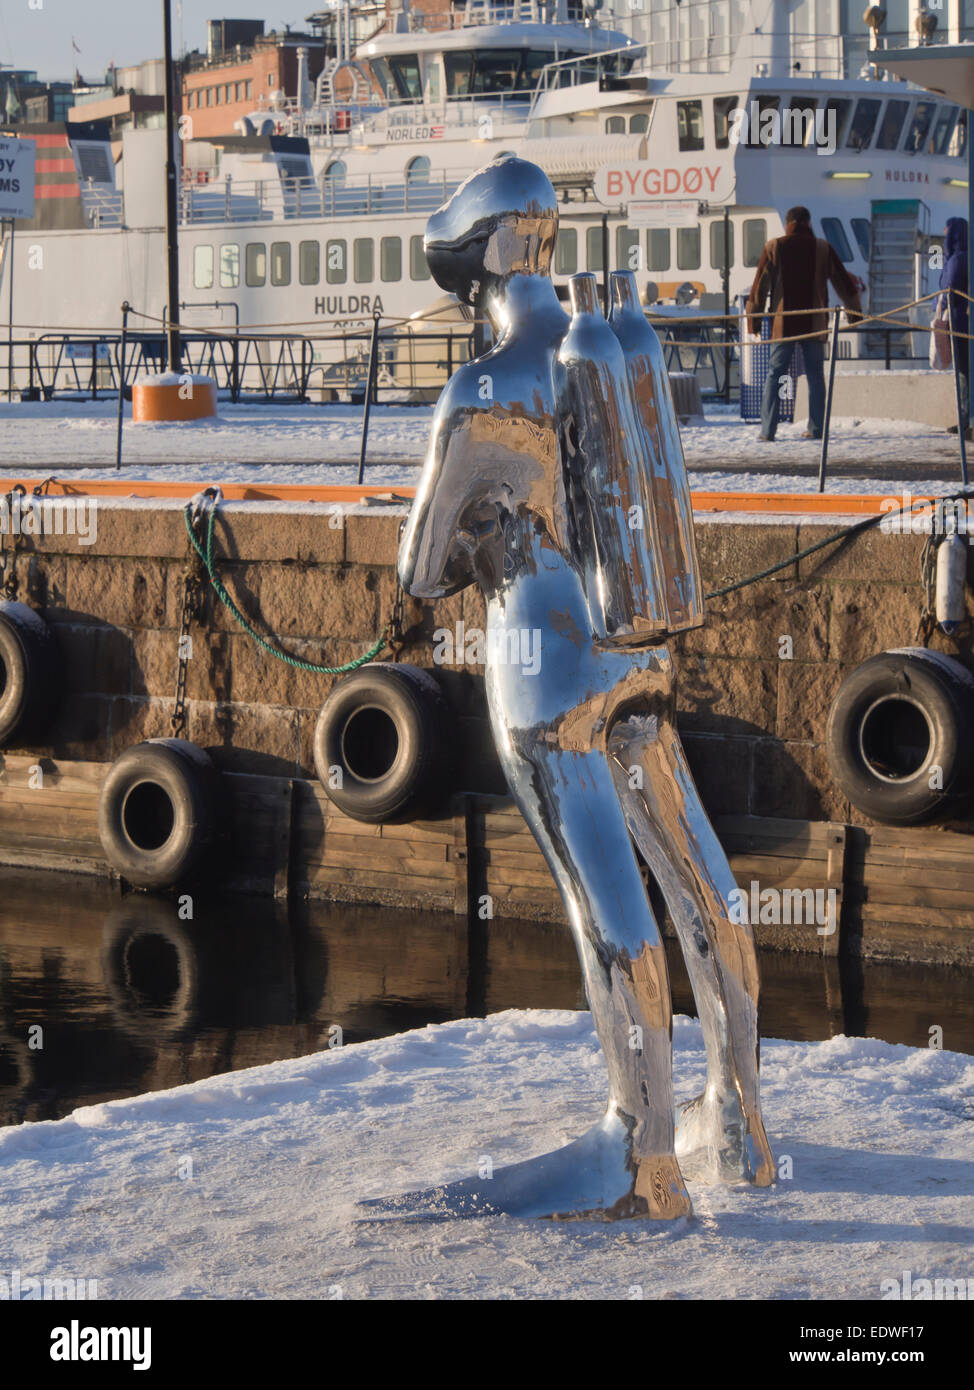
(384, 742)
(158, 812)
(31, 666)
(900, 736)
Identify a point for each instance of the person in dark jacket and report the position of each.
(794, 274)
(953, 278)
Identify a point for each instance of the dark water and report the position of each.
(130, 998)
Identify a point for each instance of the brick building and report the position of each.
(221, 87)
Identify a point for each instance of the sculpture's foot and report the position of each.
(596, 1177)
(717, 1142)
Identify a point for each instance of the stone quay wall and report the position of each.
(755, 683)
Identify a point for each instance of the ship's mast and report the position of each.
(172, 219)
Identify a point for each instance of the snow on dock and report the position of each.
(245, 1184)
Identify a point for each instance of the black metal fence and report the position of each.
(413, 365)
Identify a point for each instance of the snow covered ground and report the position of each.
(880, 1140)
(308, 443)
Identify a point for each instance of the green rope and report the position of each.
(207, 557)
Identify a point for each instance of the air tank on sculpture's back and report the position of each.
(650, 386)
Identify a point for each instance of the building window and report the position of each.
(566, 251)
(309, 262)
(723, 106)
(390, 258)
(230, 266)
(336, 262)
(256, 263)
(203, 267)
(862, 232)
(688, 248)
(836, 237)
(593, 248)
(272, 79)
(280, 262)
(418, 264)
(689, 124)
(628, 249)
(755, 236)
(219, 96)
(717, 244)
(249, 85)
(363, 260)
(418, 169)
(209, 96)
(615, 125)
(658, 248)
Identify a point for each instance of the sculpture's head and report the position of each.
(501, 221)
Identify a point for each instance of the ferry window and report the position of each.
(863, 123)
(230, 266)
(593, 248)
(689, 124)
(755, 127)
(280, 262)
(256, 263)
(800, 118)
(433, 82)
(203, 267)
(862, 230)
(891, 125)
(639, 124)
(363, 260)
(658, 248)
(390, 258)
(458, 67)
(628, 250)
(723, 106)
(842, 108)
(717, 244)
(418, 264)
(755, 235)
(688, 248)
(836, 237)
(922, 120)
(309, 262)
(336, 173)
(959, 144)
(418, 169)
(531, 67)
(495, 70)
(566, 251)
(615, 125)
(93, 160)
(405, 74)
(336, 262)
(940, 139)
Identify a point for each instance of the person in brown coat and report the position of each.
(794, 273)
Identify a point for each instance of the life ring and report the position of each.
(900, 736)
(383, 745)
(158, 812)
(30, 665)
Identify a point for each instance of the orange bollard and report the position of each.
(173, 396)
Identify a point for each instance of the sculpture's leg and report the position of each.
(625, 1165)
(721, 1132)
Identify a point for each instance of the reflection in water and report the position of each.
(104, 996)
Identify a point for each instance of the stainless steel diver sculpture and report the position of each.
(555, 480)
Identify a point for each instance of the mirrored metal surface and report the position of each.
(555, 481)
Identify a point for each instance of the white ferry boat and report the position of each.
(310, 219)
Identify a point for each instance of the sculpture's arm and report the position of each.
(435, 554)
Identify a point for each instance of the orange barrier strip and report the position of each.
(783, 503)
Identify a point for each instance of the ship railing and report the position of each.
(273, 200)
(103, 207)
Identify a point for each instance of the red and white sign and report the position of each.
(677, 178)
